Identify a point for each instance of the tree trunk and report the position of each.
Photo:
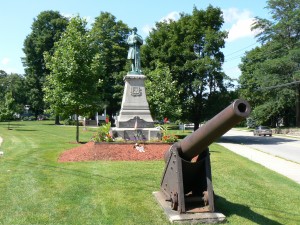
(196, 120)
(197, 115)
(298, 105)
(57, 120)
(196, 125)
(77, 128)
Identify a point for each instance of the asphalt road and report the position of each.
(286, 148)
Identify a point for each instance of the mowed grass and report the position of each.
(36, 189)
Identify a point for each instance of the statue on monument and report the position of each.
(134, 41)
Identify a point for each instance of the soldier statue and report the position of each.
(134, 41)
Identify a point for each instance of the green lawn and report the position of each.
(36, 189)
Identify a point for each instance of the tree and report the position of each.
(275, 63)
(14, 84)
(47, 28)
(3, 84)
(191, 48)
(162, 95)
(110, 37)
(73, 82)
(7, 110)
(264, 70)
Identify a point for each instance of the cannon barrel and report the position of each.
(199, 140)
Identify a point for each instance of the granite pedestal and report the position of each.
(135, 121)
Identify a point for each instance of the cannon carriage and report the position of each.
(187, 182)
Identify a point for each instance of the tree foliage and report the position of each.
(13, 86)
(191, 48)
(47, 28)
(7, 109)
(162, 95)
(73, 84)
(270, 73)
(109, 36)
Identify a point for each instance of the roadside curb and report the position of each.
(279, 165)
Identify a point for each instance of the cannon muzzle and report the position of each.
(187, 185)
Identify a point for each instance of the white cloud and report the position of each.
(241, 29)
(172, 16)
(68, 15)
(88, 19)
(231, 15)
(147, 28)
(240, 22)
(5, 61)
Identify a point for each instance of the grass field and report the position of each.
(36, 189)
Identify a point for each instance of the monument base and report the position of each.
(175, 216)
(139, 134)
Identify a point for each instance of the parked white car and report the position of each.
(262, 130)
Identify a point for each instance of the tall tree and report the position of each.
(73, 84)
(282, 33)
(191, 47)
(162, 94)
(46, 30)
(275, 63)
(110, 37)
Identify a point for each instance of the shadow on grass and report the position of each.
(230, 208)
(13, 125)
(25, 130)
(76, 143)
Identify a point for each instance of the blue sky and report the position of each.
(17, 16)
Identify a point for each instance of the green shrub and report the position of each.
(69, 122)
(103, 134)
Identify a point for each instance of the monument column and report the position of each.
(135, 108)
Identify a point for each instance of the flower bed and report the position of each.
(115, 151)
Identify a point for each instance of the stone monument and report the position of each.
(134, 121)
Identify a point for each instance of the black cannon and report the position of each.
(186, 181)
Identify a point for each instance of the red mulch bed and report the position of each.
(114, 151)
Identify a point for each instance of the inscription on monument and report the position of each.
(136, 91)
